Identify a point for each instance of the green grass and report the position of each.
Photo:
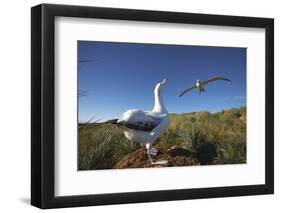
(212, 138)
(101, 146)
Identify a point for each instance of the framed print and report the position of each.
(139, 106)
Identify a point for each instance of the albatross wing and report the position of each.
(139, 120)
(187, 90)
(214, 79)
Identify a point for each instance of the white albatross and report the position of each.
(145, 127)
(200, 84)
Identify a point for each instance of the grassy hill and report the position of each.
(210, 138)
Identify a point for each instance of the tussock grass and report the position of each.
(101, 146)
(212, 138)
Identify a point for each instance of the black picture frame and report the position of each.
(43, 102)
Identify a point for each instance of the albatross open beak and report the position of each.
(164, 82)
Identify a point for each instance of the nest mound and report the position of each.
(175, 156)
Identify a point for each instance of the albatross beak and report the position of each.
(164, 81)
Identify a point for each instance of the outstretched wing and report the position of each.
(139, 120)
(214, 79)
(187, 90)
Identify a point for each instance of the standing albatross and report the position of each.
(145, 127)
(200, 85)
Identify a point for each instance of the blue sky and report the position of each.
(122, 76)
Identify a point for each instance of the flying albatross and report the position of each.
(200, 85)
(145, 127)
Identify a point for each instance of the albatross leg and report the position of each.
(149, 156)
(150, 150)
(148, 147)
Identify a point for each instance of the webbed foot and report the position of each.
(153, 151)
(160, 162)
